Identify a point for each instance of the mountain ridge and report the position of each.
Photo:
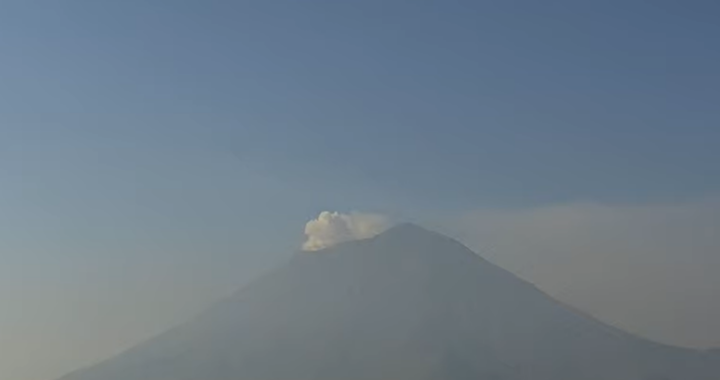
(406, 304)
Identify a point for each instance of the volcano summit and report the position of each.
(407, 304)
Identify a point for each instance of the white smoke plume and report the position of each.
(331, 228)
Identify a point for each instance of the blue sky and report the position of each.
(134, 134)
(437, 101)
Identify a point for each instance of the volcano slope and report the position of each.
(408, 304)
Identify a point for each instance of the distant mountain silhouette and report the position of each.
(408, 304)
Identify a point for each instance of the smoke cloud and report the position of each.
(331, 228)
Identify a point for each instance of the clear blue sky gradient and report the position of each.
(472, 101)
(136, 132)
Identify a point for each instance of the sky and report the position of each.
(155, 155)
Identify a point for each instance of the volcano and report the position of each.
(408, 304)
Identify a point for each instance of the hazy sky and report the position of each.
(155, 155)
